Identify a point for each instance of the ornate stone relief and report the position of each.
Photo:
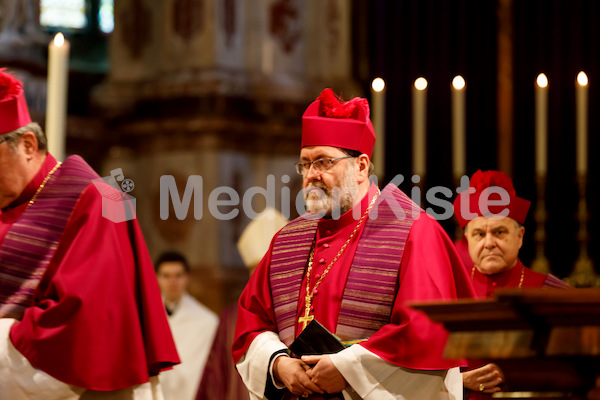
(229, 16)
(284, 24)
(334, 30)
(136, 32)
(188, 17)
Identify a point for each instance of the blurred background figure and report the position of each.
(220, 380)
(492, 242)
(193, 326)
(490, 252)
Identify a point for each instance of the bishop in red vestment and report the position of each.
(492, 217)
(352, 263)
(80, 308)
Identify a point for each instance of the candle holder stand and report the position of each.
(458, 231)
(421, 185)
(540, 262)
(583, 274)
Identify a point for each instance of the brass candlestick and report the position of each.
(583, 274)
(540, 262)
(458, 231)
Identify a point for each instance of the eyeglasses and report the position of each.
(320, 165)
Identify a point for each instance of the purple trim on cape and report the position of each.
(31, 242)
(555, 282)
(288, 263)
(383, 238)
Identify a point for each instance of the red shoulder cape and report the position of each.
(97, 320)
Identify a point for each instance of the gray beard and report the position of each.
(333, 202)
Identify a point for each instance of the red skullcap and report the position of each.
(331, 122)
(476, 204)
(14, 113)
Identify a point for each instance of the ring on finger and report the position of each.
(481, 387)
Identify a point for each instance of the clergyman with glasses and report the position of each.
(350, 263)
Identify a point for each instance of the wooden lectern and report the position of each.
(546, 341)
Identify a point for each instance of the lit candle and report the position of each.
(419, 97)
(56, 101)
(581, 104)
(458, 127)
(541, 125)
(378, 118)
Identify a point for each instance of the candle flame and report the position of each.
(59, 39)
(458, 82)
(582, 79)
(421, 83)
(378, 84)
(542, 80)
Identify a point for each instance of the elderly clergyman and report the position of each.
(80, 309)
(351, 263)
(492, 216)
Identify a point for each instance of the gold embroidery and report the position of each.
(39, 189)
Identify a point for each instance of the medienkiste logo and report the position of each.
(117, 204)
(192, 198)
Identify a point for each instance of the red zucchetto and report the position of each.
(487, 201)
(13, 108)
(328, 121)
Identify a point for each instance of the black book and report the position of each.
(315, 339)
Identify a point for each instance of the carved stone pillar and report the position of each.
(216, 89)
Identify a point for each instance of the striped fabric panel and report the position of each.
(288, 263)
(31, 243)
(554, 282)
(371, 286)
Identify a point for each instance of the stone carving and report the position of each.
(136, 32)
(285, 24)
(188, 17)
(333, 27)
(19, 23)
(229, 15)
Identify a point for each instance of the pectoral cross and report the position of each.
(306, 318)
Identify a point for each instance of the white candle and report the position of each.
(56, 101)
(541, 125)
(458, 127)
(378, 119)
(581, 104)
(419, 97)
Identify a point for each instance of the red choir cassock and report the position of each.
(429, 270)
(81, 287)
(517, 276)
(95, 317)
(398, 254)
(220, 380)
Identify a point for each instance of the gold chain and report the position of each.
(520, 280)
(310, 293)
(39, 189)
(522, 276)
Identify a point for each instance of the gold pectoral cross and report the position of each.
(306, 318)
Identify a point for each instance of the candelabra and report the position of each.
(540, 262)
(458, 231)
(583, 274)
